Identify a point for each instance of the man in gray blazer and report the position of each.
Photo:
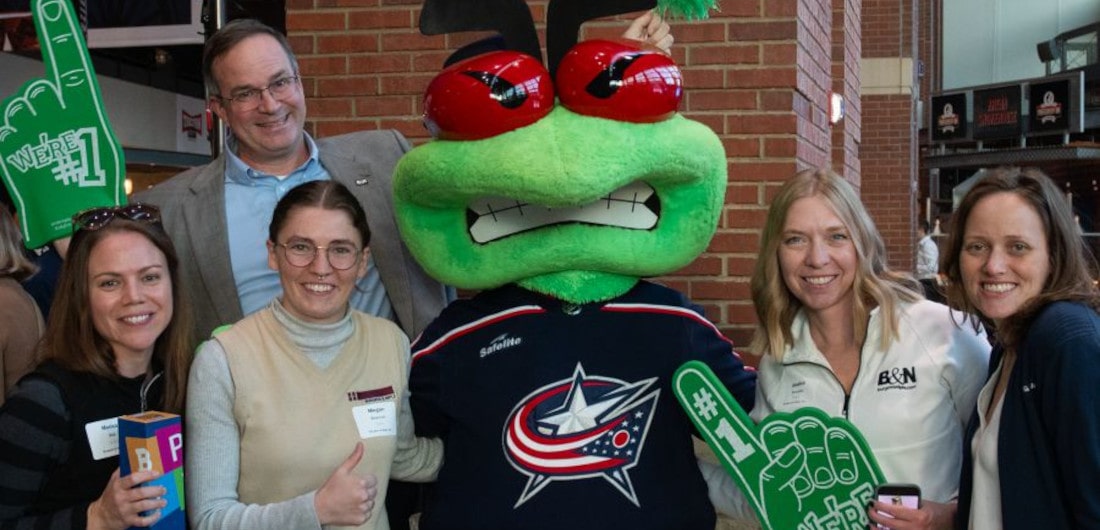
(217, 214)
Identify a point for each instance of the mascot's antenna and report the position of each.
(511, 19)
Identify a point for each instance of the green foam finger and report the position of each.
(724, 425)
(805, 469)
(811, 435)
(776, 435)
(783, 485)
(64, 51)
(845, 456)
(58, 153)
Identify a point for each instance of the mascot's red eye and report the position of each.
(619, 80)
(487, 95)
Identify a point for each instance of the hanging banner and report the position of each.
(1050, 107)
(1057, 104)
(997, 113)
(948, 117)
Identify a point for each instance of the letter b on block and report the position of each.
(144, 459)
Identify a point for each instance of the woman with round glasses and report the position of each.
(298, 414)
(116, 342)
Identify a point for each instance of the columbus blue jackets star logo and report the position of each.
(580, 428)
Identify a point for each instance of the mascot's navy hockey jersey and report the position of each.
(559, 415)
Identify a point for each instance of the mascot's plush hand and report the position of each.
(797, 470)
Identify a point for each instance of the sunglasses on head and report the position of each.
(96, 218)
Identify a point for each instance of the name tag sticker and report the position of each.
(376, 419)
(103, 438)
(797, 396)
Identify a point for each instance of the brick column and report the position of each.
(890, 143)
(847, 49)
(763, 85)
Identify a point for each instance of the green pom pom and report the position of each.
(688, 9)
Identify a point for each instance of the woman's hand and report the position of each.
(124, 500)
(930, 516)
(650, 28)
(346, 499)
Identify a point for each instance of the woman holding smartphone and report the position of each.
(842, 332)
(1032, 453)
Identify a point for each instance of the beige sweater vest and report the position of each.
(296, 420)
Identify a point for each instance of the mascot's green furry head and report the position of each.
(573, 185)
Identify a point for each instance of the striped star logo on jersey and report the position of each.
(580, 428)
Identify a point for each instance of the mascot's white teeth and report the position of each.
(632, 206)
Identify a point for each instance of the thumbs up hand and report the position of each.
(58, 154)
(346, 499)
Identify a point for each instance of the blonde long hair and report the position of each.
(876, 285)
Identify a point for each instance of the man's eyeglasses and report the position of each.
(96, 218)
(249, 99)
(342, 256)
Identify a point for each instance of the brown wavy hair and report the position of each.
(1071, 263)
(71, 339)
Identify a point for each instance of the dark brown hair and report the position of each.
(71, 339)
(324, 194)
(1071, 263)
(231, 35)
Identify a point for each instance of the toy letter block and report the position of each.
(154, 441)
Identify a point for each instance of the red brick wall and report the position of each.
(847, 49)
(758, 72)
(930, 24)
(888, 152)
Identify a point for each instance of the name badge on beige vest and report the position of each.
(376, 419)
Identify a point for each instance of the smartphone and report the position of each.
(907, 495)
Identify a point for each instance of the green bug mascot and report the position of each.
(554, 194)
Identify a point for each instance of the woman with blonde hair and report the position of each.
(22, 322)
(841, 331)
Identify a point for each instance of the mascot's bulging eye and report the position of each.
(619, 80)
(487, 95)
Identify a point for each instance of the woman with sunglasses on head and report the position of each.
(1016, 258)
(298, 414)
(116, 342)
